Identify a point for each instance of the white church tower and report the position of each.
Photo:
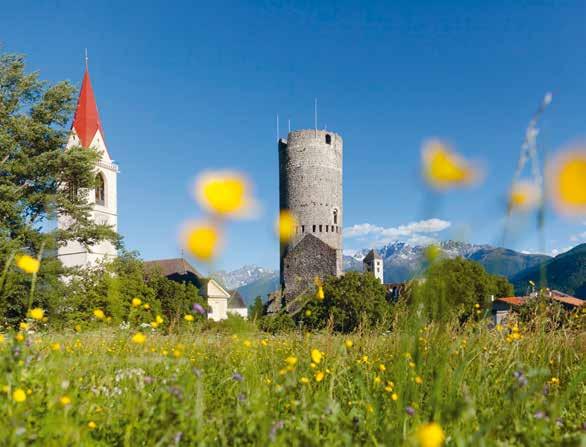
(373, 262)
(87, 132)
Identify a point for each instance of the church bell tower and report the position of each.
(87, 132)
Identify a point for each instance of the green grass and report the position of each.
(220, 389)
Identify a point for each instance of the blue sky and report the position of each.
(187, 86)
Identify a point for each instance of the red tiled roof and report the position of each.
(566, 299)
(512, 300)
(87, 121)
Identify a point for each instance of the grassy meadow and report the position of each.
(481, 386)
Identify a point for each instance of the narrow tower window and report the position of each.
(320, 228)
(303, 228)
(100, 190)
(335, 217)
(328, 139)
(314, 228)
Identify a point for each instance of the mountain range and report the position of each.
(401, 262)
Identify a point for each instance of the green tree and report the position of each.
(38, 177)
(351, 300)
(454, 286)
(256, 310)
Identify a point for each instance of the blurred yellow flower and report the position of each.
(91, 425)
(286, 226)
(348, 343)
(394, 396)
(77, 328)
(443, 168)
(430, 435)
(418, 380)
(319, 376)
(99, 314)
(55, 347)
(316, 356)
(19, 395)
(304, 380)
(136, 302)
(19, 336)
(525, 195)
(154, 324)
(188, 317)
(382, 368)
(65, 400)
(37, 313)
(566, 181)
(139, 338)
(27, 263)
(23, 326)
(202, 240)
(320, 293)
(308, 313)
(291, 360)
(224, 193)
(159, 319)
(146, 306)
(247, 343)
(1, 338)
(432, 252)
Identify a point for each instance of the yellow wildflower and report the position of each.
(430, 435)
(202, 240)
(382, 368)
(154, 324)
(139, 338)
(291, 360)
(99, 314)
(224, 193)
(23, 326)
(247, 343)
(308, 313)
(316, 356)
(554, 381)
(28, 264)
(348, 343)
(525, 195)
(55, 347)
(286, 226)
(91, 425)
(77, 328)
(37, 313)
(159, 319)
(146, 306)
(566, 181)
(65, 400)
(1, 338)
(320, 293)
(188, 317)
(418, 380)
(443, 168)
(394, 396)
(304, 380)
(18, 395)
(377, 380)
(19, 336)
(319, 376)
(136, 302)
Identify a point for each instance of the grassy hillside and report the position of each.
(261, 288)
(565, 272)
(505, 262)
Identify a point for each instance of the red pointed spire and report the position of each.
(87, 121)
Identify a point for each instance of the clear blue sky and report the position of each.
(185, 86)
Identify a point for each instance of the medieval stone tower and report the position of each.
(310, 186)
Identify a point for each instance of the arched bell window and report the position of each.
(100, 190)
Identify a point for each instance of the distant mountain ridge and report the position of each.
(242, 276)
(566, 273)
(401, 263)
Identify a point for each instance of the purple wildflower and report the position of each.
(275, 428)
(409, 410)
(521, 379)
(237, 377)
(199, 309)
(539, 415)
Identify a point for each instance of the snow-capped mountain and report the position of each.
(243, 276)
(402, 261)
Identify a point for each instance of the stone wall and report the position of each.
(311, 257)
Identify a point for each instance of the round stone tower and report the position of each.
(310, 186)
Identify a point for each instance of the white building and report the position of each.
(373, 262)
(220, 301)
(87, 132)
